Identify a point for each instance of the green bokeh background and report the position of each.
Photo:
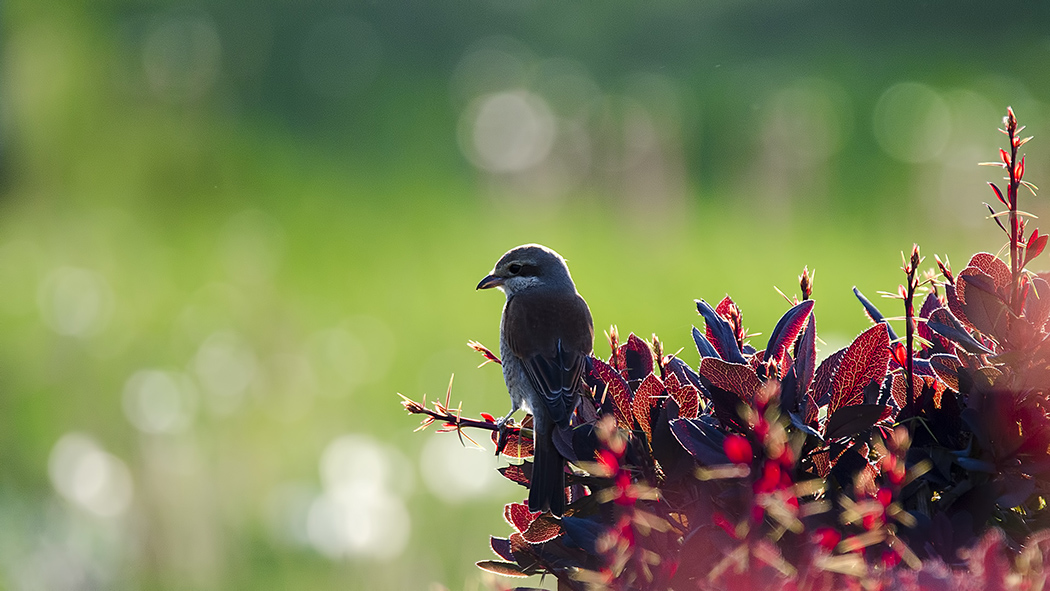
(287, 189)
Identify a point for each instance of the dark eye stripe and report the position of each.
(529, 271)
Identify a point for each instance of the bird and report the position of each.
(546, 339)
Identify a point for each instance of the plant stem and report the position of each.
(1011, 198)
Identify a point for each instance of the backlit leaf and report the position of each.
(790, 325)
(865, 360)
(822, 378)
(647, 396)
(943, 322)
(946, 367)
(518, 446)
(519, 516)
(615, 387)
(542, 529)
(686, 396)
(507, 569)
(731, 377)
(992, 266)
(515, 474)
(638, 357)
(720, 333)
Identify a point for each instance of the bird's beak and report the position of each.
(490, 281)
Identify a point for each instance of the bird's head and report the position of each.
(526, 267)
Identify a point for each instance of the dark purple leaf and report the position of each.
(787, 330)
(683, 372)
(944, 323)
(720, 333)
(703, 345)
(501, 546)
(982, 305)
(702, 438)
(850, 420)
(1037, 304)
(583, 532)
(638, 357)
(874, 313)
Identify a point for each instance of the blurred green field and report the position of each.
(230, 234)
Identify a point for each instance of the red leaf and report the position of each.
(518, 447)
(900, 354)
(519, 516)
(955, 305)
(946, 367)
(686, 396)
(488, 418)
(617, 388)
(824, 375)
(864, 361)
(638, 356)
(998, 193)
(1036, 244)
(991, 266)
(729, 312)
(515, 474)
(542, 529)
(731, 377)
(645, 398)
(787, 330)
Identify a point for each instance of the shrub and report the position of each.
(914, 461)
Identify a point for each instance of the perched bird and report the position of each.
(545, 338)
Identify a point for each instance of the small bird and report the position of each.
(545, 338)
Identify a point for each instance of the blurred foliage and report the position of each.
(290, 191)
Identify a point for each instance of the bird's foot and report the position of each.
(502, 436)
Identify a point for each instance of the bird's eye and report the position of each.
(514, 269)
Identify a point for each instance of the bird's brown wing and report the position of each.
(553, 336)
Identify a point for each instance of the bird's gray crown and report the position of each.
(532, 265)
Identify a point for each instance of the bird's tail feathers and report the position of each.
(547, 489)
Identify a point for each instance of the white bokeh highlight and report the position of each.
(75, 302)
(157, 401)
(360, 511)
(912, 123)
(456, 473)
(225, 366)
(507, 132)
(90, 477)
